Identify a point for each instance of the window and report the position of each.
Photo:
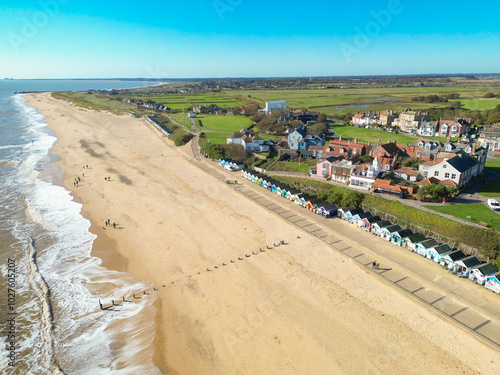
(436, 174)
(444, 166)
(446, 175)
(453, 176)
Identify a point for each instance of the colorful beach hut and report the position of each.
(387, 232)
(450, 258)
(493, 282)
(411, 242)
(423, 247)
(399, 236)
(358, 218)
(480, 273)
(379, 225)
(327, 210)
(368, 221)
(437, 253)
(463, 266)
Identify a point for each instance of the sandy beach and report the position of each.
(298, 309)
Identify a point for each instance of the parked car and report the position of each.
(493, 204)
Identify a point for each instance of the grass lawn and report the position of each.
(179, 118)
(494, 165)
(216, 141)
(491, 189)
(217, 135)
(303, 167)
(371, 135)
(222, 123)
(479, 103)
(476, 211)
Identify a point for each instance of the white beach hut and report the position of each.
(480, 273)
(493, 282)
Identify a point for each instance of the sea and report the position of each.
(51, 286)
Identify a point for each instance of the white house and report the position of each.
(460, 169)
(464, 265)
(493, 282)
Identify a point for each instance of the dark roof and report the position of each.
(431, 242)
(470, 261)
(419, 237)
(463, 163)
(405, 233)
(314, 200)
(393, 228)
(356, 211)
(391, 148)
(443, 248)
(456, 255)
(331, 159)
(294, 191)
(364, 215)
(348, 208)
(373, 219)
(487, 268)
(383, 223)
(328, 206)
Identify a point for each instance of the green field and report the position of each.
(476, 211)
(363, 99)
(371, 135)
(479, 103)
(216, 123)
(494, 165)
(491, 189)
(178, 101)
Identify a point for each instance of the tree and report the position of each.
(319, 127)
(436, 192)
(236, 152)
(352, 198)
(366, 159)
(322, 118)
(411, 163)
(489, 95)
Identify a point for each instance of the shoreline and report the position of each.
(280, 306)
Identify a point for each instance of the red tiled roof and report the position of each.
(448, 182)
(408, 171)
(429, 181)
(386, 185)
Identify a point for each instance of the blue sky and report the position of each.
(246, 38)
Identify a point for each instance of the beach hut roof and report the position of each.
(347, 209)
(372, 219)
(403, 233)
(456, 255)
(416, 238)
(431, 242)
(365, 215)
(355, 211)
(328, 206)
(470, 261)
(295, 191)
(393, 228)
(383, 223)
(443, 248)
(487, 268)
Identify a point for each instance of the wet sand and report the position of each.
(300, 308)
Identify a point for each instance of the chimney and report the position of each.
(355, 140)
(474, 147)
(378, 142)
(340, 138)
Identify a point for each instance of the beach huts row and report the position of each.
(300, 198)
(231, 165)
(454, 260)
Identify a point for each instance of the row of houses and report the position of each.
(147, 104)
(415, 122)
(456, 261)
(300, 198)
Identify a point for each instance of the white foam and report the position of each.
(81, 335)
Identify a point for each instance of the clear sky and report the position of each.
(246, 38)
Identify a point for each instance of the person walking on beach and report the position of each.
(374, 264)
(114, 225)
